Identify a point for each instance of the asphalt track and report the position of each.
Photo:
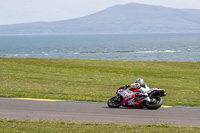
(35, 109)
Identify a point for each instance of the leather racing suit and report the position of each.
(143, 88)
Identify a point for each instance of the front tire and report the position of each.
(112, 103)
(155, 103)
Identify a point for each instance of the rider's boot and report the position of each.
(146, 98)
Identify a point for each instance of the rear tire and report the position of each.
(114, 103)
(156, 102)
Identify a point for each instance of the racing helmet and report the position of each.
(139, 80)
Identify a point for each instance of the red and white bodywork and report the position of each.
(126, 97)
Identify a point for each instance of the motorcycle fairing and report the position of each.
(130, 95)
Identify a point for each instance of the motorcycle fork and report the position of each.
(116, 98)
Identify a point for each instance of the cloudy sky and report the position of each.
(23, 11)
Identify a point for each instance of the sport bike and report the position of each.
(123, 97)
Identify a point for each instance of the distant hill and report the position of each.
(120, 19)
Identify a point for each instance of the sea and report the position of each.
(129, 47)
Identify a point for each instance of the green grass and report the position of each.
(92, 80)
(10, 126)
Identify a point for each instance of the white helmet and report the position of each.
(140, 81)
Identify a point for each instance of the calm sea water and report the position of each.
(157, 47)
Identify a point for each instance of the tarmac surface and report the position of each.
(30, 109)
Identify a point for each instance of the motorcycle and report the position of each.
(124, 95)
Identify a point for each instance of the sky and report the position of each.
(25, 11)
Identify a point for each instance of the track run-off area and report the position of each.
(80, 111)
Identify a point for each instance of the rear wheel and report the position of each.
(155, 103)
(115, 102)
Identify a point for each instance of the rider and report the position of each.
(142, 87)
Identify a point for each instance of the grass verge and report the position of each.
(96, 80)
(8, 126)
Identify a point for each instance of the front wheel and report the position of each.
(155, 103)
(115, 102)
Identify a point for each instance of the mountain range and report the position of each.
(120, 19)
